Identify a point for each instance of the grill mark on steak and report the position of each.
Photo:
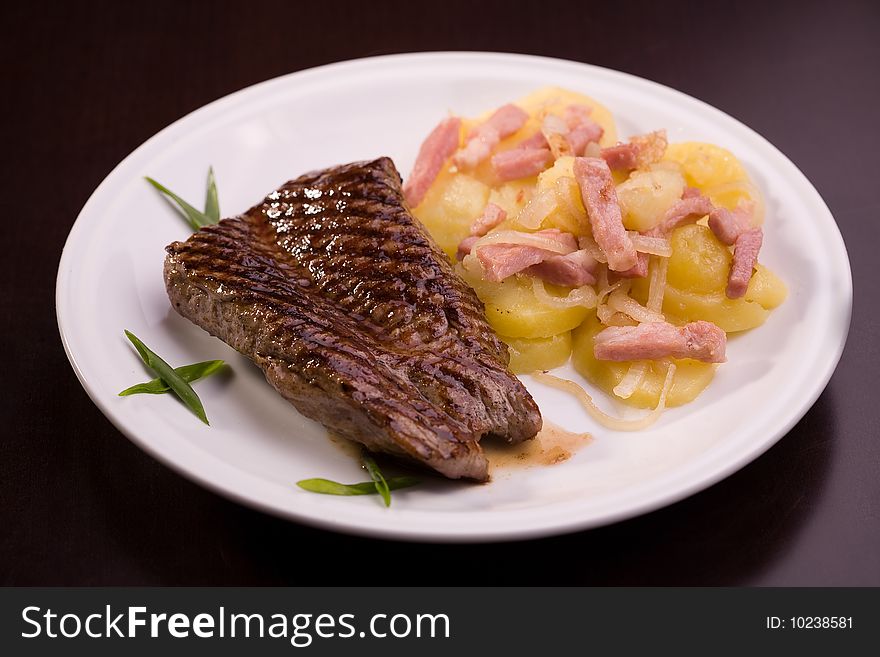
(357, 318)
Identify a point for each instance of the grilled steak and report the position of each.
(357, 318)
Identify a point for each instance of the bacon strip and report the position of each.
(640, 151)
(651, 147)
(438, 145)
(685, 211)
(521, 163)
(506, 120)
(571, 270)
(639, 270)
(465, 246)
(537, 140)
(582, 130)
(491, 217)
(600, 199)
(502, 260)
(728, 225)
(745, 255)
(621, 157)
(654, 340)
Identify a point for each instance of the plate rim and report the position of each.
(422, 534)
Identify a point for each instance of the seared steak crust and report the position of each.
(357, 318)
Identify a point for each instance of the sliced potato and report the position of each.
(530, 354)
(556, 99)
(696, 284)
(569, 215)
(765, 292)
(646, 196)
(450, 207)
(705, 165)
(699, 262)
(691, 376)
(512, 308)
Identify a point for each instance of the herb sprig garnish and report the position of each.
(188, 373)
(375, 473)
(328, 487)
(379, 484)
(195, 218)
(167, 374)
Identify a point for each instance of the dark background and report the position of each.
(83, 84)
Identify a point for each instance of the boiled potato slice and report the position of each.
(450, 206)
(766, 288)
(555, 100)
(699, 262)
(530, 354)
(696, 283)
(765, 292)
(691, 376)
(512, 196)
(563, 167)
(569, 215)
(705, 165)
(513, 310)
(646, 196)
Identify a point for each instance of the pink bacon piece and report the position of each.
(687, 210)
(491, 217)
(728, 225)
(745, 256)
(700, 340)
(537, 140)
(572, 270)
(622, 157)
(639, 270)
(506, 120)
(600, 199)
(521, 162)
(582, 130)
(640, 151)
(437, 147)
(502, 260)
(465, 246)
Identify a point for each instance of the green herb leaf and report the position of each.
(195, 218)
(212, 203)
(327, 487)
(180, 387)
(188, 373)
(376, 475)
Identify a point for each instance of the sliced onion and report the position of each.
(580, 296)
(606, 420)
(603, 288)
(524, 239)
(536, 210)
(658, 246)
(622, 302)
(614, 318)
(657, 285)
(568, 196)
(605, 313)
(588, 244)
(631, 380)
(554, 125)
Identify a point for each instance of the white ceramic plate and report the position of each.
(110, 278)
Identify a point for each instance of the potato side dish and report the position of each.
(635, 259)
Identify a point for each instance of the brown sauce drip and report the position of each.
(551, 446)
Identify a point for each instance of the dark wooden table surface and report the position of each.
(84, 84)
